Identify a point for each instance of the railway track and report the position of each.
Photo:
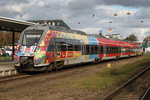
(23, 75)
(132, 89)
(13, 77)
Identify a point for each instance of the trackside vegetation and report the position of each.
(5, 58)
(110, 76)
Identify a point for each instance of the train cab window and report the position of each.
(31, 37)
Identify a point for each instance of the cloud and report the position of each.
(125, 3)
(93, 15)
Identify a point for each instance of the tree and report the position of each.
(146, 42)
(6, 38)
(131, 37)
(147, 39)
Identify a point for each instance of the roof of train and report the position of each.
(115, 42)
(101, 39)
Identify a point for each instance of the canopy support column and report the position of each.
(13, 44)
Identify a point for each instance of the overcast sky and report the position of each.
(91, 16)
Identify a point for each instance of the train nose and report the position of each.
(23, 61)
(30, 61)
(26, 60)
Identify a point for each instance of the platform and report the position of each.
(6, 66)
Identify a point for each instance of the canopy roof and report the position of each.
(12, 24)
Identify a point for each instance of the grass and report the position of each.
(108, 77)
(5, 58)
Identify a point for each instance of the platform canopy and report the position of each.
(13, 24)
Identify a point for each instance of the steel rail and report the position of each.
(145, 96)
(13, 77)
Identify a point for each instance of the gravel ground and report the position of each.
(47, 87)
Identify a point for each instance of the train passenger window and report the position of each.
(94, 49)
(51, 45)
(88, 49)
(119, 48)
(77, 45)
(100, 49)
(111, 49)
(70, 44)
(70, 47)
(63, 46)
(60, 44)
(108, 49)
(114, 50)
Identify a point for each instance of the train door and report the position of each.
(53, 49)
(57, 48)
(59, 52)
(83, 48)
(104, 50)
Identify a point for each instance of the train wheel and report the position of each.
(117, 57)
(96, 61)
(49, 68)
(99, 60)
(18, 69)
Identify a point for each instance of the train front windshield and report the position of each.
(31, 37)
